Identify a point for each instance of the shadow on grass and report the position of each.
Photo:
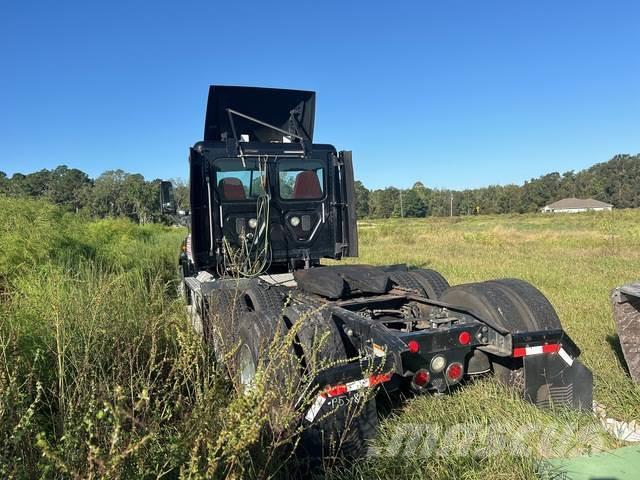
(614, 343)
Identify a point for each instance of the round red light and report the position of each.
(464, 338)
(421, 378)
(454, 372)
(414, 347)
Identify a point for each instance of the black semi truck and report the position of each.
(267, 206)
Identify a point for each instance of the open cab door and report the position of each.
(348, 203)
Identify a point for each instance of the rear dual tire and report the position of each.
(259, 320)
(182, 290)
(512, 304)
(344, 432)
(423, 281)
(225, 307)
(432, 282)
(257, 335)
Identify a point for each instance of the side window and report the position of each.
(301, 179)
(236, 183)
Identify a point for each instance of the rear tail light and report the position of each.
(414, 347)
(464, 338)
(421, 378)
(455, 372)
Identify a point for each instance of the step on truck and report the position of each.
(268, 206)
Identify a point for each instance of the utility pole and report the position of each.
(451, 207)
(401, 207)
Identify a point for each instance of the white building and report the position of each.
(574, 205)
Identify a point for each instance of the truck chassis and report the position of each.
(397, 339)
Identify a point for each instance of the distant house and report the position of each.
(574, 205)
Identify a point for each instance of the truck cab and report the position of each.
(264, 197)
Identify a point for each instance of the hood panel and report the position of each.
(270, 105)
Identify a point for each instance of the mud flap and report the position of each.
(552, 380)
(626, 313)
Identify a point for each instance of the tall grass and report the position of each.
(101, 376)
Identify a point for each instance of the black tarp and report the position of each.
(340, 280)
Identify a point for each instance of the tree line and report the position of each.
(118, 193)
(616, 181)
(115, 193)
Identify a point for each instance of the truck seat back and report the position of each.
(232, 189)
(307, 185)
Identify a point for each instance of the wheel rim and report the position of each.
(247, 368)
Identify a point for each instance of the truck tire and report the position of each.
(223, 308)
(512, 304)
(255, 336)
(407, 281)
(432, 282)
(534, 303)
(343, 432)
(261, 297)
(195, 311)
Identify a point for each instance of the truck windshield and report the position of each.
(236, 182)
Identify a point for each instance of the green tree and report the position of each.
(139, 199)
(382, 203)
(108, 197)
(181, 194)
(362, 199)
(68, 187)
(4, 183)
(412, 204)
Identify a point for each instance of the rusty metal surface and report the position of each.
(626, 314)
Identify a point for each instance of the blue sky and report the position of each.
(451, 93)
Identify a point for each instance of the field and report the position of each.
(101, 377)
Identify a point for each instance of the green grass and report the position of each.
(100, 376)
(575, 260)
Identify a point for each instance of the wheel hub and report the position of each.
(247, 368)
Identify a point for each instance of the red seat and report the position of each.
(307, 185)
(232, 189)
